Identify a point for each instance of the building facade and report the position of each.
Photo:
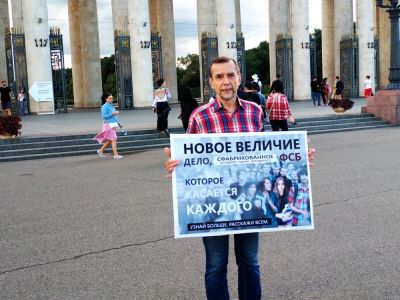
(219, 21)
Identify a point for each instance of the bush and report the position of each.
(344, 103)
(10, 125)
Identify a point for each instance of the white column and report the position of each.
(383, 31)
(139, 30)
(119, 15)
(4, 23)
(91, 67)
(226, 28)
(365, 32)
(343, 24)
(206, 24)
(76, 57)
(17, 16)
(206, 18)
(37, 52)
(238, 18)
(278, 24)
(328, 55)
(301, 55)
(165, 13)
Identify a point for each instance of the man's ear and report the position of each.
(210, 81)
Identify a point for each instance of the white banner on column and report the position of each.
(42, 91)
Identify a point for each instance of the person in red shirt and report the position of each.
(367, 86)
(279, 112)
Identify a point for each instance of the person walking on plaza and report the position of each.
(109, 130)
(250, 88)
(325, 91)
(338, 88)
(188, 104)
(22, 100)
(316, 91)
(367, 86)
(258, 81)
(5, 95)
(333, 91)
(259, 92)
(279, 112)
(277, 84)
(161, 106)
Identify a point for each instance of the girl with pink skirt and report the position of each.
(108, 134)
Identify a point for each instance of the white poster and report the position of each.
(42, 91)
(234, 183)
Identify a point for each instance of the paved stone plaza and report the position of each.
(79, 121)
(86, 228)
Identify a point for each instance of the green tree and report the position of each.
(318, 45)
(69, 86)
(257, 62)
(108, 78)
(188, 73)
(110, 86)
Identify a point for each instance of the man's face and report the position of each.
(225, 81)
(242, 176)
(251, 191)
(276, 171)
(266, 169)
(4, 83)
(304, 179)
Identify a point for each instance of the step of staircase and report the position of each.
(141, 140)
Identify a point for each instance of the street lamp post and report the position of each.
(393, 8)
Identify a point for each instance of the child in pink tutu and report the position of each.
(108, 134)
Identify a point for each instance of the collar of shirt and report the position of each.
(218, 106)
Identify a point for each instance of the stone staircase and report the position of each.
(58, 146)
(339, 123)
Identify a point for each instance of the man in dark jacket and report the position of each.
(5, 96)
(339, 88)
(250, 88)
(188, 104)
(316, 91)
(277, 85)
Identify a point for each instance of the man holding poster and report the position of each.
(228, 114)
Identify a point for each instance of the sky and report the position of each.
(254, 24)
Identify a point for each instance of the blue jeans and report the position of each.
(246, 252)
(316, 97)
(22, 108)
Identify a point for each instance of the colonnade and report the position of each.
(221, 18)
(290, 18)
(35, 25)
(85, 52)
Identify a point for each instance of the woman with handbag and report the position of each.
(108, 134)
(161, 106)
(278, 111)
